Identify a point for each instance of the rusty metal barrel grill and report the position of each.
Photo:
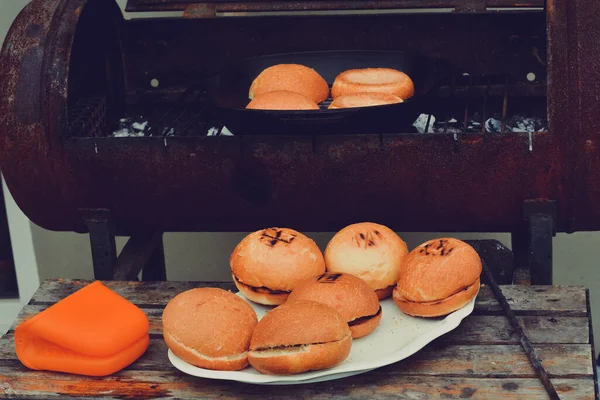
(105, 126)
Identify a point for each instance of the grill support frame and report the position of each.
(143, 252)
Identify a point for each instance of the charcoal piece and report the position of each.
(493, 125)
(526, 124)
(421, 123)
(121, 133)
(139, 126)
(448, 129)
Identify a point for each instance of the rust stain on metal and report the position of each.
(200, 11)
(27, 99)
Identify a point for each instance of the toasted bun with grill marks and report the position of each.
(347, 294)
(364, 100)
(291, 77)
(267, 264)
(438, 277)
(210, 328)
(370, 251)
(299, 336)
(370, 80)
(282, 100)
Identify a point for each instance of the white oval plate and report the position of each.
(397, 337)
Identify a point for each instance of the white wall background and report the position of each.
(204, 256)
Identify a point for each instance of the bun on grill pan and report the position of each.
(370, 251)
(437, 278)
(370, 80)
(267, 264)
(364, 100)
(210, 328)
(347, 294)
(291, 77)
(282, 100)
(299, 336)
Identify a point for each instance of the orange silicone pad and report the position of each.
(92, 332)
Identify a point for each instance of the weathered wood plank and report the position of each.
(141, 293)
(441, 359)
(482, 329)
(475, 329)
(545, 300)
(454, 366)
(172, 384)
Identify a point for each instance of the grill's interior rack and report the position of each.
(463, 105)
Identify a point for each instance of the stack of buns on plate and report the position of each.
(322, 302)
(297, 87)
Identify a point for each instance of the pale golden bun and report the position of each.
(210, 328)
(438, 277)
(370, 251)
(274, 259)
(282, 100)
(291, 77)
(364, 100)
(261, 295)
(299, 336)
(440, 307)
(370, 80)
(347, 294)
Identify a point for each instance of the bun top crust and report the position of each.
(438, 269)
(348, 294)
(276, 258)
(282, 100)
(364, 100)
(292, 77)
(370, 251)
(212, 321)
(368, 80)
(299, 322)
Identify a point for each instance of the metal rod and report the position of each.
(466, 118)
(428, 122)
(483, 111)
(452, 88)
(531, 353)
(504, 106)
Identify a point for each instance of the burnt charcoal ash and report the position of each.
(425, 123)
(493, 125)
(514, 124)
(132, 127)
(527, 124)
(168, 131)
(517, 124)
(218, 131)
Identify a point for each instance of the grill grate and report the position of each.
(481, 104)
(463, 104)
(88, 117)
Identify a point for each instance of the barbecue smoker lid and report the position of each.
(213, 8)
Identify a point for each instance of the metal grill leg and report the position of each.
(102, 238)
(155, 269)
(497, 257)
(532, 245)
(520, 248)
(541, 231)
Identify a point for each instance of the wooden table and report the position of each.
(482, 359)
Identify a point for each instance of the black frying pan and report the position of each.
(230, 94)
